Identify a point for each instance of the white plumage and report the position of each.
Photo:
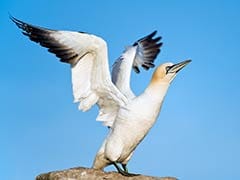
(129, 117)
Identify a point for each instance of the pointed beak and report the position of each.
(177, 67)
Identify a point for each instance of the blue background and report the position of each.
(197, 135)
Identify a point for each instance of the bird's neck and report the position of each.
(157, 90)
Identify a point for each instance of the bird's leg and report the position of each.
(123, 172)
(124, 166)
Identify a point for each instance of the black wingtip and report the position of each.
(148, 37)
(152, 34)
(150, 48)
(20, 24)
(11, 16)
(136, 69)
(15, 20)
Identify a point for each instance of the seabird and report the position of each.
(129, 117)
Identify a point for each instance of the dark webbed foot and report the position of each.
(125, 171)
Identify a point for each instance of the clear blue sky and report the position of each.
(197, 135)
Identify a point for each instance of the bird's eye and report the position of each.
(168, 68)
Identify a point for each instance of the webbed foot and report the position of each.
(125, 171)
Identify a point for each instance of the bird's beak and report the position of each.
(177, 67)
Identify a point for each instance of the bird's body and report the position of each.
(129, 117)
(132, 124)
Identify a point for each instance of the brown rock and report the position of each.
(81, 173)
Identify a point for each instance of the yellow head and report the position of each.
(166, 72)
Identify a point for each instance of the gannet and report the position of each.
(129, 117)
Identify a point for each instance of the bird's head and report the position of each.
(166, 72)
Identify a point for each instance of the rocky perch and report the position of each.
(81, 173)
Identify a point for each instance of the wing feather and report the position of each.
(142, 53)
(87, 55)
(148, 48)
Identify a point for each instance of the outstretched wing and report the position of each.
(87, 55)
(142, 53)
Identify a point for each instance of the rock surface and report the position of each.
(81, 173)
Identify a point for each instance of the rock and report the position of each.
(81, 173)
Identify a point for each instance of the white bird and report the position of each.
(128, 117)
